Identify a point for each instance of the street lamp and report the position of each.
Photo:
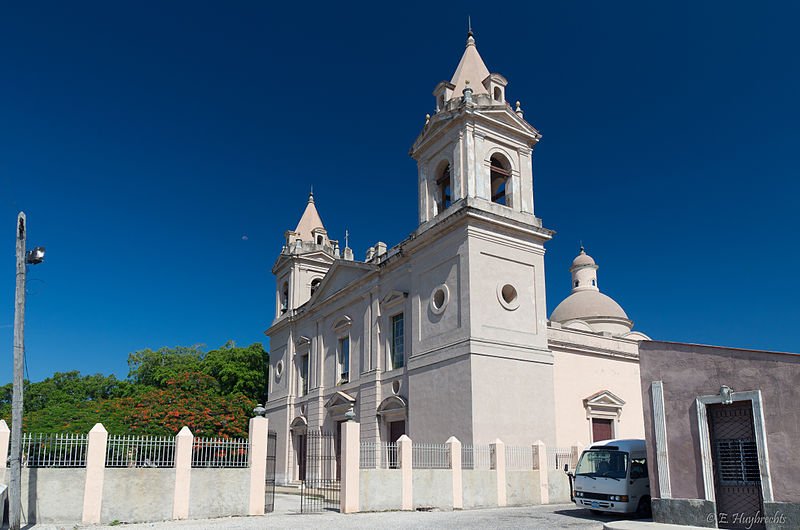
(34, 257)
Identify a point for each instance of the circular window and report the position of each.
(279, 369)
(508, 296)
(439, 299)
(395, 387)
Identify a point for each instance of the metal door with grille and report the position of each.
(269, 492)
(737, 477)
(319, 491)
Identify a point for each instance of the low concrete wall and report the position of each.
(479, 487)
(380, 490)
(432, 488)
(522, 487)
(218, 492)
(558, 486)
(52, 495)
(136, 495)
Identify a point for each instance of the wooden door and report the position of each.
(601, 429)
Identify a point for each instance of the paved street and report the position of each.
(287, 506)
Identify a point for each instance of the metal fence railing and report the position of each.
(220, 452)
(558, 456)
(519, 458)
(430, 456)
(140, 451)
(54, 450)
(379, 455)
(476, 457)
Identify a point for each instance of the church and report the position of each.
(446, 333)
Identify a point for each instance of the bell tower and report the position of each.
(475, 146)
(303, 262)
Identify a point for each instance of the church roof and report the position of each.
(471, 68)
(309, 221)
(583, 305)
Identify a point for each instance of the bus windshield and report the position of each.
(603, 463)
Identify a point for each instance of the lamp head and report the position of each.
(35, 256)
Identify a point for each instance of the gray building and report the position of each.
(722, 426)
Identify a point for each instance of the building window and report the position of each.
(445, 190)
(498, 94)
(398, 350)
(344, 360)
(319, 240)
(500, 176)
(285, 298)
(576, 283)
(304, 374)
(314, 284)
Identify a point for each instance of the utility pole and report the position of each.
(24, 258)
(15, 484)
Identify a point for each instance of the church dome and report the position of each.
(587, 306)
(582, 305)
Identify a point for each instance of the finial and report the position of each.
(346, 238)
(427, 119)
(469, 26)
(518, 110)
(583, 251)
(311, 195)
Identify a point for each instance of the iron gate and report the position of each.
(269, 491)
(737, 477)
(319, 491)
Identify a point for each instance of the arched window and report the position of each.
(285, 297)
(314, 284)
(319, 240)
(501, 174)
(445, 191)
(498, 94)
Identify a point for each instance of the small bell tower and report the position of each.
(304, 260)
(476, 145)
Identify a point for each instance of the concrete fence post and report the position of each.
(404, 453)
(5, 436)
(183, 473)
(498, 449)
(540, 465)
(351, 445)
(455, 466)
(95, 474)
(257, 460)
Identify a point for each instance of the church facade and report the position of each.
(446, 333)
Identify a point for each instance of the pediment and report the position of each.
(604, 398)
(391, 404)
(302, 341)
(340, 399)
(300, 423)
(394, 297)
(340, 276)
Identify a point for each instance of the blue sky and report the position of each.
(160, 151)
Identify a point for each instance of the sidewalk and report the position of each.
(641, 525)
(565, 516)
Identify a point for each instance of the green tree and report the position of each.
(239, 370)
(155, 368)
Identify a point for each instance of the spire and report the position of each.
(309, 221)
(471, 68)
